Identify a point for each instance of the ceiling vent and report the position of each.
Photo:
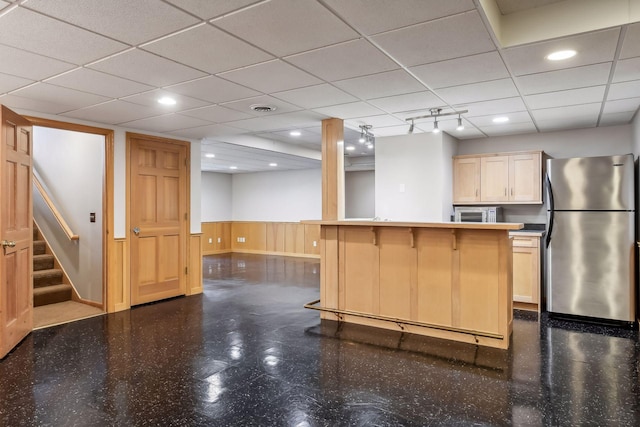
(259, 108)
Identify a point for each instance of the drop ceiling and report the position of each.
(373, 62)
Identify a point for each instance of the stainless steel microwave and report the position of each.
(477, 214)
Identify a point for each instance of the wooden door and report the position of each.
(16, 230)
(158, 218)
(466, 179)
(494, 178)
(525, 178)
(526, 269)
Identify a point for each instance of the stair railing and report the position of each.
(57, 215)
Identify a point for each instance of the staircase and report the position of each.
(50, 285)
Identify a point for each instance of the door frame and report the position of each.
(109, 281)
(187, 226)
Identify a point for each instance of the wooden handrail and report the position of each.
(54, 211)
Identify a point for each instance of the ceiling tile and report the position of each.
(508, 7)
(30, 65)
(119, 19)
(20, 103)
(453, 37)
(631, 43)
(244, 105)
(509, 129)
(9, 83)
(349, 111)
(292, 120)
(315, 96)
(92, 81)
(408, 102)
(497, 106)
(551, 125)
(210, 131)
(306, 137)
(383, 120)
(147, 68)
(217, 114)
(69, 97)
(374, 16)
(572, 114)
(213, 89)
(627, 69)
(166, 123)
(254, 124)
(614, 119)
(391, 130)
(390, 83)
(208, 49)
(207, 9)
(273, 76)
(469, 69)
(469, 133)
(592, 48)
(624, 90)
(566, 97)
(485, 91)
(342, 61)
(3, 4)
(31, 31)
(570, 78)
(519, 117)
(621, 106)
(150, 99)
(114, 112)
(285, 27)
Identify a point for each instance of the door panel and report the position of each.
(159, 213)
(16, 290)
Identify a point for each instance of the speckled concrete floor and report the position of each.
(246, 353)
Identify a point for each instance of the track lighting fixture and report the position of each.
(434, 114)
(366, 136)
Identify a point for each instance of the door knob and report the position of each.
(7, 243)
(136, 230)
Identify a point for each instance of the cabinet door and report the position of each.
(526, 270)
(494, 178)
(466, 179)
(524, 178)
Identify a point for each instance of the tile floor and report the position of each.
(245, 353)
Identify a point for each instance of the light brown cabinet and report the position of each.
(526, 271)
(508, 178)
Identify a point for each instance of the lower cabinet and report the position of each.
(526, 270)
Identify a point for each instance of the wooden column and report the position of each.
(332, 169)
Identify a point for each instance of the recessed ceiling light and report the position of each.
(350, 148)
(295, 133)
(210, 155)
(273, 165)
(233, 167)
(370, 146)
(561, 54)
(167, 100)
(501, 119)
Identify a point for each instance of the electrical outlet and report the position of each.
(238, 239)
(219, 240)
(243, 240)
(315, 243)
(210, 240)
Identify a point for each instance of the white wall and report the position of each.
(635, 131)
(71, 166)
(413, 177)
(277, 196)
(215, 196)
(602, 141)
(360, 194)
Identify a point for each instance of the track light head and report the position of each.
(460, 125)
(411, 127)
(436, 129)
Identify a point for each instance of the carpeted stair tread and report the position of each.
(51, 294)
(42, 262)
(47, 277)
(39, 247)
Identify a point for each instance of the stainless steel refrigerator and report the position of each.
(590, 237)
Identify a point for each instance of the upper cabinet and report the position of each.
(502, 178)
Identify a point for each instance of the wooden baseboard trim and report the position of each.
(288, 254)
(75, 297)
(217, 252)
(528, 306)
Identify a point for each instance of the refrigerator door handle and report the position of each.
(551, 212)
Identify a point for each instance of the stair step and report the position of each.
(42, 262)
(48, 277)
(39, 247)
(51, 294)
(36, 236)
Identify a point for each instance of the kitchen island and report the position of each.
(445, 280)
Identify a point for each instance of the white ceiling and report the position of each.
(373, 62)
